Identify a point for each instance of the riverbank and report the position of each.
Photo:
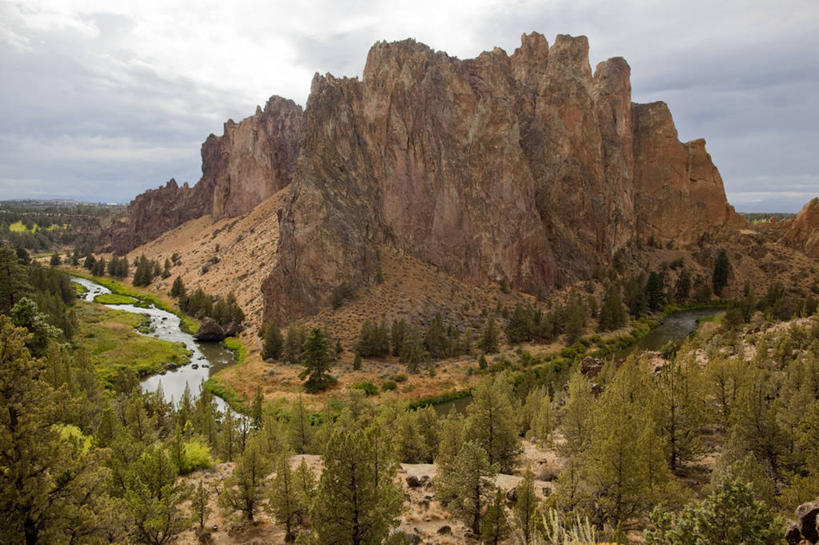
(188, 324)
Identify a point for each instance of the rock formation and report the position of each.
(527, 169)
(251, 161)
(802, 232)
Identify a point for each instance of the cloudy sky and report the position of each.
(101, 100)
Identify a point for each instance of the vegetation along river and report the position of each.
(676, 327)
(206, 358)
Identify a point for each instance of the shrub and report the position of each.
(389, 385)
(368, 388)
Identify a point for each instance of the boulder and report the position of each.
(805, 525)
(210, 331)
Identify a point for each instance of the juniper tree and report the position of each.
(299, 430)
(246, 487)
(357, 502)
(491, 421)
(494, 524)
(316, 357)
(465, 486)
(722, 268)
(526, 507)
(489, 338)
(286, 504)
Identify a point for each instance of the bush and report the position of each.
(389, 385)
(368, 388)
(195, 455)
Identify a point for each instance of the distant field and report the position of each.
(765, 217)
(19, 227)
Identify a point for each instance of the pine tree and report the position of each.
(299, 429)
(491, 422)
(681, 409)
(612, 313)
(722, 268)
(256, 408)
(412, 351)
(357, 502)
(655, 291)
(489, 338)
(178, 288)
(293, 343)
(246, 486)
(526, 507)
(152, 497)
(621, 469)
(494, 524)
(166, 271)
(317, 359)
(435, 339)
(682, 289)
(286, 503)
(465, 486)
(398, 334)
(55, 259)
(13, 280)
(199, 504)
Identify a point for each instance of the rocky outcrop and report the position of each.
(679, 192)
(804, 528)
(802, 233)
(527, 169)
(154, 212)
(251, 161)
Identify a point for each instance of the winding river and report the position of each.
(206, 358)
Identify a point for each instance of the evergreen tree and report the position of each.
(166, 272)
(465, 486)
(13, 280)
(357, 502)
(624, 468)
(299, 429)
(435, 339)
(494, 524)
(317, 359)
(286, 503)
(199, 504)
(491, 422)
(89, 262)
(46, 478)
(178, 288)
(682, 289)
(273, 341)
(612, 313)
(575, 315)
(681, 409)
(256, 408)
(293, 343)
(246, 486)
(412, 351)
(489, 338)
(730, 514)
(635, 296)
(55, 260)
(722, 268)
(655, 291)
(143, 275)
(152, 498)
(520, 327)
(526, 508)
(398, 334)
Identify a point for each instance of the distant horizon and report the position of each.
(761, 210)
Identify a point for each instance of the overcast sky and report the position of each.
(102, 100)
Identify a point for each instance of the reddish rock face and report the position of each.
(254, 159)
(154, 212)
(803, 232)
(528, 169)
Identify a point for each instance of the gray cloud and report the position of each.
(103, 104)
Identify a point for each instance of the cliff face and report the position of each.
(527, 169)
(154, 212)
(802, 232)
(251, 161)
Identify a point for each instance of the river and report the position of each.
(206, 358)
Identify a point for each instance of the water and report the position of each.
(206, 358)
(675, 328)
